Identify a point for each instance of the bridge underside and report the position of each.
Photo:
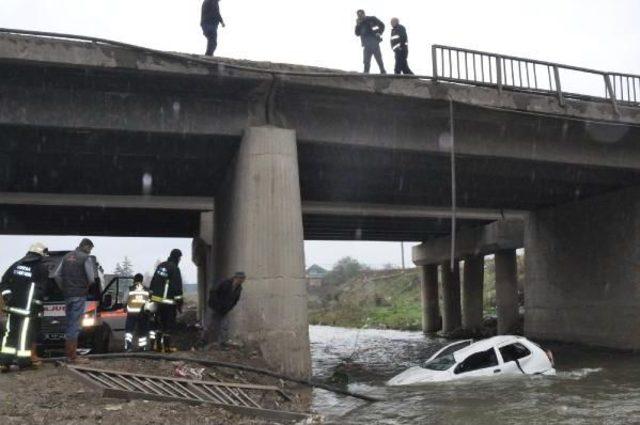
(93, 162)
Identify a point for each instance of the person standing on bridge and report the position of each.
(75, 276)
(209, 21)
(23, 287)
(166, 291)
(400, 46)
(370, 29)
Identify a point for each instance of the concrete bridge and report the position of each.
(249, 159)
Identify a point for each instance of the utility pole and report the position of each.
(402, 250)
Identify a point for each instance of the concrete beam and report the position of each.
(80, 54)
(507, 234)
(182, 203)
(405, 211)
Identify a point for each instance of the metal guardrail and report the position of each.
(513, 73)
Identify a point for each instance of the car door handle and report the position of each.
(497, 371)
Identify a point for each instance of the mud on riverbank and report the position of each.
(52, 396)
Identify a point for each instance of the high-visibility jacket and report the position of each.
(166, 284)
(137, 299)
(24, 284)
(399, 37)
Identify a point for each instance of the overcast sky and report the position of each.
(591, 33)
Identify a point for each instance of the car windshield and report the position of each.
(441, 363)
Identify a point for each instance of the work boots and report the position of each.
(71, 348)
(36, 362)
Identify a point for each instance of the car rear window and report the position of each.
(513, 352)
(478, 361)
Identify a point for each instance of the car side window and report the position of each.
(477, 361)
(513, 352)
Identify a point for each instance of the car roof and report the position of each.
(486, 344)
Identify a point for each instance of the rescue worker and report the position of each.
(137, 325)
(22, 288)
(166, 291)
(370, 29)
(75, 275)
(222, 299)
(400, 46)
(210, 18)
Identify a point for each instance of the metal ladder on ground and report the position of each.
(230, 396)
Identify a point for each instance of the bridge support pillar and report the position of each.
(472, 293)
(203, 257)
(430, 302)
(582, 262)
(259, 222)
(451, 316)
(507, 291)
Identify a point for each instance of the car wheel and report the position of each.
(101, 340)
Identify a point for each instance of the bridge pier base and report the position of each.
(430, 302)
(472, 293)
(259, 223)
(451, 315)
(507, 291)
(583, 271)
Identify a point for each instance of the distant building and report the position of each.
(315, 275)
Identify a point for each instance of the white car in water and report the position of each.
(497, 356)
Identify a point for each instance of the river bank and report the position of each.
(386, 299)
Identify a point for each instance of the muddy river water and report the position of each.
(593, 386)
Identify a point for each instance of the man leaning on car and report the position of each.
(75, 275)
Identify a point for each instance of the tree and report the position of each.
(125, 268)
(344, 270)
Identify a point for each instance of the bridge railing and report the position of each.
(513, 73)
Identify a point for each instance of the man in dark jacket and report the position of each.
(75, 275)
(22, 288)
(223, 297)
(209, 21)
(400, 46)
(166, 291)
(370, 29)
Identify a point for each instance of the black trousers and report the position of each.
(166, 317)
(402, 66)
(137, 330)
(211, 32)
(19, 334)
(373, 50)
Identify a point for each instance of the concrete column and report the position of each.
(451, 316)
(430, 302)
(260, 226)
(472, 293)
(507, 291)
(202, 248)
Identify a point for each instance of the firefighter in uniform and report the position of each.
(137, 325)
(400, 46)
(166, 292)
(22, 288)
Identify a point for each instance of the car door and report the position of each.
(114, 302)
(479, 364)
(515, 357)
